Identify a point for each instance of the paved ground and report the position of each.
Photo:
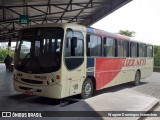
(21, 102)
(150, 86)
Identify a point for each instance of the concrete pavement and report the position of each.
(126, 100)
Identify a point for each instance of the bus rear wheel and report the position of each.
(87, 88)
(137, 78)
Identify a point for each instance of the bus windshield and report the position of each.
(38, 50)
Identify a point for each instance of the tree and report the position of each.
(127, 33)
(4, 53)
(156, 55)
(156, 50)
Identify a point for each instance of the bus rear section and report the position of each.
(114, 59)
(109, 72)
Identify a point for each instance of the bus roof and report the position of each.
(107, 34)
(88, 30)
(112, 35)
(138, 41)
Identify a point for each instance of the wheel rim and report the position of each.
(87, 89)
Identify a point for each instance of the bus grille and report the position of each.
(31, 81)
(24, 88)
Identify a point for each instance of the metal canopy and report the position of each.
(85, 12)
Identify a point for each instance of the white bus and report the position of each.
(61, 60)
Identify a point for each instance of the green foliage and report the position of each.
(158, 67)
(127, 33)
(4, 53)
(156, 55)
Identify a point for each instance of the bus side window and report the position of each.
(78, 44)
(68, 44)
(149, 51)
(94, 45)
(123, 48)
(145, 50)
(142, 50)
(74, 45)
(109, 47)
(133, 49)
(74, 50)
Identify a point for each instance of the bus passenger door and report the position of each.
(74, 61)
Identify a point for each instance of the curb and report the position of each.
(150, 108)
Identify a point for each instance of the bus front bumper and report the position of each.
(50, 91)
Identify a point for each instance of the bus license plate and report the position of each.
(28, 92)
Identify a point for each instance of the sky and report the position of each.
(140, 16)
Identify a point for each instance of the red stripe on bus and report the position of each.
(106, 70)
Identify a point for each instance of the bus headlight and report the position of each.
(50, 81)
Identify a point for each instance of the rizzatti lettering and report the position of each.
(133, 62)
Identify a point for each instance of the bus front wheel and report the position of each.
(87, 88)
(137, 78)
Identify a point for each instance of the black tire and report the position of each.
(137, 78)
(87, 89)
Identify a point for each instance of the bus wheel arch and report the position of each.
(88, 87)
(139, 72)
(137, 77)
(94, 83)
